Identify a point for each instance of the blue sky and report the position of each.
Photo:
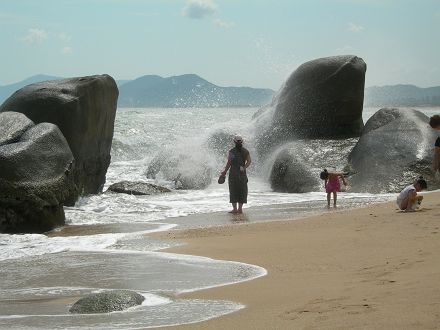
(230, 43)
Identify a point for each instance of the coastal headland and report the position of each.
(368, 268)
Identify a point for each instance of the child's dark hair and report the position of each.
(324, 174)
(434, 121)
(422, 183)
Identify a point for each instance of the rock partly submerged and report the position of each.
(106, 302)
(84, 110)
(137, 188)
(35, 175)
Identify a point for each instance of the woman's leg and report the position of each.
(334, 198)
(240, 208)
(234, 208)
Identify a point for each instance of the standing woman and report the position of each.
(239, 160)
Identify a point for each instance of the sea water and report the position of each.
(106, 243)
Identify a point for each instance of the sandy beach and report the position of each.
(367, 268)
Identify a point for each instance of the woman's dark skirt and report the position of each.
(238, 189)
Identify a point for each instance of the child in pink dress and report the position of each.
(332, 184)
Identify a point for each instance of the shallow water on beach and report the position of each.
(105, 244)
(40, 299)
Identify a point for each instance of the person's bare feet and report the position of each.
(233, 212)
(239, 211)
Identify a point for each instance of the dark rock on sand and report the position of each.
(137, 188)
(84, 110)
(321, 99)
(35, 175)
(106, 302)
(396, 146)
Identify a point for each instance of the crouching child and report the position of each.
(408, 200)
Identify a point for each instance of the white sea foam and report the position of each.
(19, 246)
(154, 299)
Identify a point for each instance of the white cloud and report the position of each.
(66, 50)
(198, 9)
(224, 24)
(352, 27)
(35, 36)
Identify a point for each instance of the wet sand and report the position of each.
(366, 268)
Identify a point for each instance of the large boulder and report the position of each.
(322, 98)
(106, 302)
(35, 175)
(84, 109)
(396, 146)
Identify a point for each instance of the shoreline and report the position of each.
(371, 267)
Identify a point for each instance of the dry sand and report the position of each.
(368, 268)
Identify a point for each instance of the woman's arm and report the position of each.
(228, 165)
(248, 161)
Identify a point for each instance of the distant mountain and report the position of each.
(188, 90)
(8, 90)
(401, 95)
(121, 82)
